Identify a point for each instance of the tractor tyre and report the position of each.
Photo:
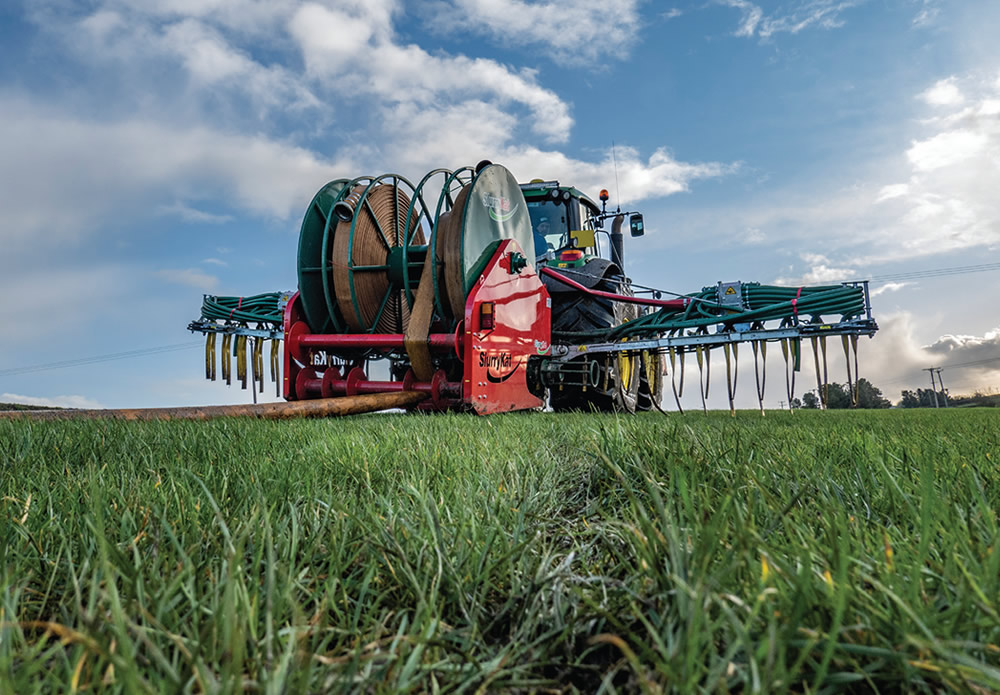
(577, 312)
(625, 367)
(618, 383)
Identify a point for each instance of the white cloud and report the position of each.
(191, 277)
(892, 191)
(244, 16)
(567, 32)
(927, 14)
(331, 39)
(946, 149)
(950, 201)
(962, 349)
(657, 176)
(821, 272)
(893, 359)
(890, 287)
(925, 17)
(752, 15)
(122, 168)
(190, 214)
(215, 261)
(357, 52)
(102, 24)
(792, 19)
(334, 55)
(418, 143)
(126, 39)
(943, 93)
(53, 402)
(350, 51)
(896, 358)
(947, 202)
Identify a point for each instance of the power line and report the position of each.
(960, 365)
(82, 361)
(934, 273)
(887, 278)
(975, 363)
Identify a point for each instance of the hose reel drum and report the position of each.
(367, 244)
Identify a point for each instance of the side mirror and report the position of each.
(635, 225)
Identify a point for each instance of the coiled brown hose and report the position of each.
(448, 247)
(359, 263)
(447, 250)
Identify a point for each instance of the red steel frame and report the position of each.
(494, 360)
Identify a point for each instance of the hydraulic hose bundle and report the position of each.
(760, 303)
(725, 316)
(258, 308)
(245, 323)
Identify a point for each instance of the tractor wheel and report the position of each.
(625, 378)
(626, 367)
(576, 312)
(618, 384)
(619, 374)
(650, 381)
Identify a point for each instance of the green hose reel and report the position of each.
(364, 241)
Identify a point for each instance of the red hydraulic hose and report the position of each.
(678, 304)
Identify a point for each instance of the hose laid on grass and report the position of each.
(320, 407)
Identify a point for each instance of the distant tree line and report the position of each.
(924, 398)
(22, 406)
(838, 397)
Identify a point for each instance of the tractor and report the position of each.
(477, 293)
(568, 234)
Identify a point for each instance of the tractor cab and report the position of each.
(563, 221)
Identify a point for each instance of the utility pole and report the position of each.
(944, 393)
(933, 386)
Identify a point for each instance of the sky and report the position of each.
(153, 152)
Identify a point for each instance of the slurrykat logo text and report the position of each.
(499, 367)
(499, 207)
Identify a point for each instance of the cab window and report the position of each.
(549, 225)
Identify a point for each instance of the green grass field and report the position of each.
(814, 552)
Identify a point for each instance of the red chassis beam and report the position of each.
(300, 340)
(310, 383)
